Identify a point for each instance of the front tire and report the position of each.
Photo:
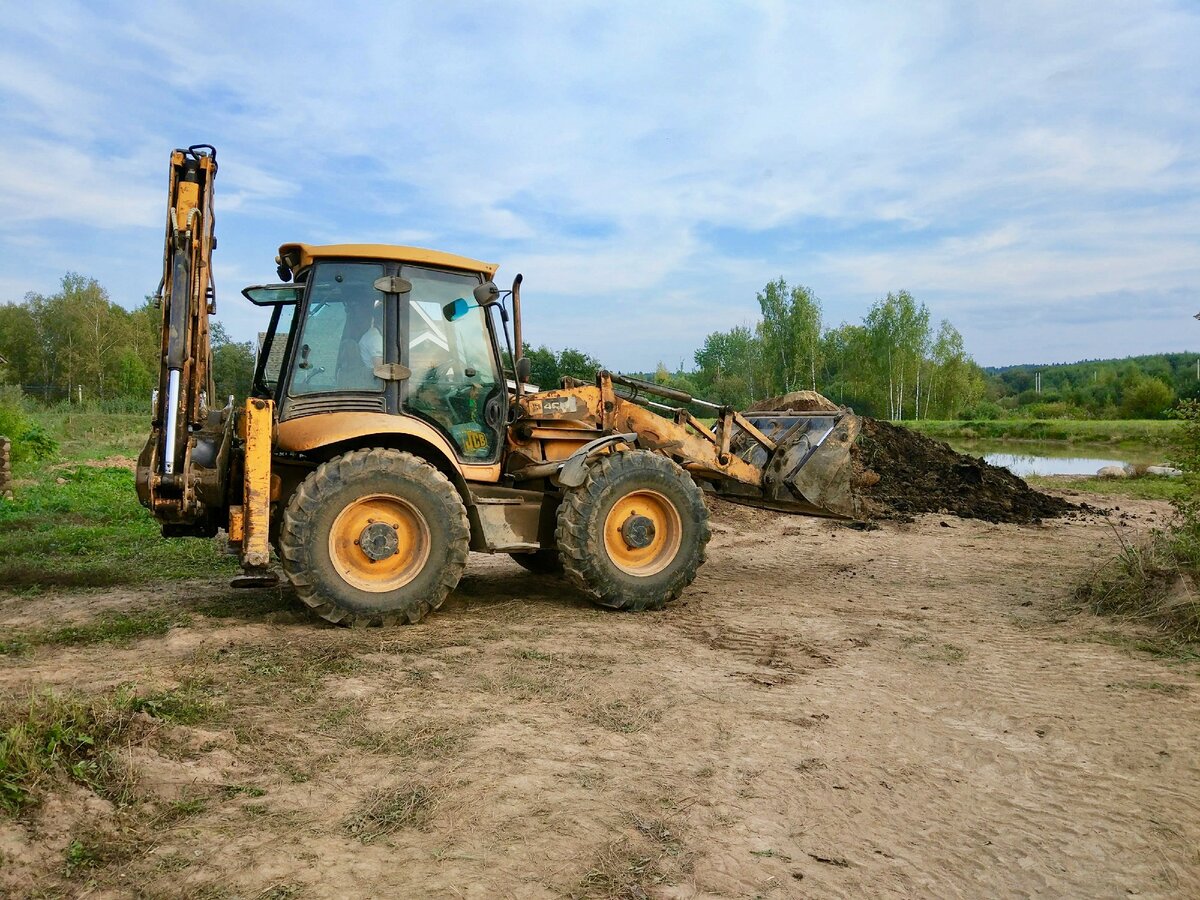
(634, 533)
(374, 537)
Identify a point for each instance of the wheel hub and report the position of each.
(637, 532)
(378, 541)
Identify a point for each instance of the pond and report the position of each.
(1031, 458)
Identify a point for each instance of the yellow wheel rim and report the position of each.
(642, 533)
(379, 543)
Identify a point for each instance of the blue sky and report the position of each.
(1031, 171)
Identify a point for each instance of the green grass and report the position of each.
(95, 435)
(53, 736)
(90, 531)
(118, 628)
(1112, 432)
(1147, 487)
(58, 735)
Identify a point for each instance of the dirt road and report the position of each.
(900, 712)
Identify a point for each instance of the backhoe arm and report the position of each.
(182, 472)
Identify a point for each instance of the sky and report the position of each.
(1030, 171)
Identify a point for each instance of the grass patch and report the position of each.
(1146, 487)
(1113, 432)
(61, 736)
(421, 739)
(119, 629)
(1153, 585)
(627, 715)
(189, 704)
(90, 531)
(52, 736)
(411, 805)
(622, 870)
(94, 435)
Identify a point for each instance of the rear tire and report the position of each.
(634, 533)
(374, 537)
(540, 562)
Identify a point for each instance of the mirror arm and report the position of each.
(516, 301)
(520, 348)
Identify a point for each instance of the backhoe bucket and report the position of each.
(809, 471)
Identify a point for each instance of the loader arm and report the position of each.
(184, 470)
(789, 461)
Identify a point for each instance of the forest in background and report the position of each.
(898, 363)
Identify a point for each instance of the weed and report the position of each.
(229, 791)
(411, 805)
(79, 856)
(187, 806)
(281, 892)
(188, 704)
(1153, 583)
(52, 735)
(770, 854)
(947, 653)
(537, 655)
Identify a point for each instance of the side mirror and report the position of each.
(524, 367)
(486, 293)
(456, 309)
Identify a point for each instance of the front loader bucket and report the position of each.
(809, 471)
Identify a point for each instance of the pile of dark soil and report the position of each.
(901, 473)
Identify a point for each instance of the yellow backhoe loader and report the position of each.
(392, 428)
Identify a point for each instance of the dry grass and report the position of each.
(411, 805)
(1154, 585)
(624, 715)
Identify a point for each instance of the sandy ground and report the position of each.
(910, 711)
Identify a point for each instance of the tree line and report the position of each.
(895, 363)
(78, 345)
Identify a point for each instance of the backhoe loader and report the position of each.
(392, 428)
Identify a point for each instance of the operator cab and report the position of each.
(380, 329)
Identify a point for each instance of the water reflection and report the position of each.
(1043, 458)
(1022, 464)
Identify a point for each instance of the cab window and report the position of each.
(454, 377)
(342, 337)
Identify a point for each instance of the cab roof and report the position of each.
(300, 256)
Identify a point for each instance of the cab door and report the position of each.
(456, 382)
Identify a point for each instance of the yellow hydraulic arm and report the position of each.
(184, 471)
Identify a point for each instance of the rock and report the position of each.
(1164, 471)
(1112, 472)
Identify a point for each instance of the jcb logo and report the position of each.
(474, 441)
